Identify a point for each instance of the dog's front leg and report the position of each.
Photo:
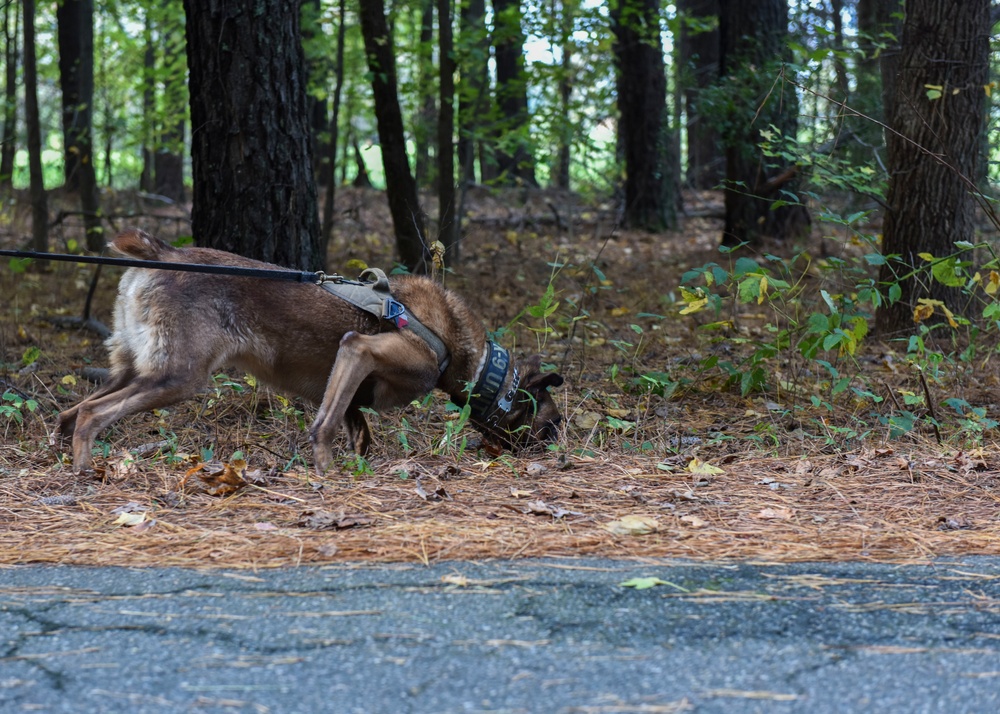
(401, 368)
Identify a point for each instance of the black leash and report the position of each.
(297, 276)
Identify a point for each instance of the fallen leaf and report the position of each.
(587, 420)
(518, 493)
(220, 479)
(953, 523)
(438, 494)
(324, 520)
(130, 519)
(265, 526)
(646, 583)
(633, 525)
(703, 468)
(776, 514)
(544, 509)
(535, 469)
(694, 521)
(327, 550)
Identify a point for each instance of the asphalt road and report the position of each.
(525, 636)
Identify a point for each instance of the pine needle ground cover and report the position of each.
(659, 457)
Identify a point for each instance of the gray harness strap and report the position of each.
(371, 293)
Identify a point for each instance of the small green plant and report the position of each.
(15, 407)
(454, 442)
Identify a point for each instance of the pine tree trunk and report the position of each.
(516, 164)
(699, 58)
(447, 227)
(753, 49)
(473, 92)
(643, 116)
(76, 78)
(8, 149)
(254, 188)
(401, 189)
(331, 167)
(39, 199)
(933, 150)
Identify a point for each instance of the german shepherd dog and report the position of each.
(173, 330)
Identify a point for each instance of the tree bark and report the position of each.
(643, 127)
(699, 56)
(515, 161)
(401, 189)
(331, 166)
(474, 88)
(447, 227)
(254, 187)
(8, 149)
(75, 19)
(39, 199)
(427, 111)
(933, 149)
(753, 49)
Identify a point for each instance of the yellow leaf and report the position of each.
(587, 420)
(69, 380)
(619, 311)
(703, 468)
(356, 265)
(763, 290)
(130, 519)
(926, 256)
(633, 525)
(922, 312)
(694, 306)
(993, 283)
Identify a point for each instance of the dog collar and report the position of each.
(486, 403)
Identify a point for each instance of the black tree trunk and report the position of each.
(9, 145)
(933, 148)
(753, 49)
(515, 160)
(39, 199)
(254, 188)
(643, 128)
(401, 189)
(699, 56)
(75, 19)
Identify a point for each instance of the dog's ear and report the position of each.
(533, 380)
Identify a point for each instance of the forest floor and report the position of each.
(692, 469)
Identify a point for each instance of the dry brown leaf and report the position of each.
(693, 521)
(220, 479)
(325, 520)
(776, 514)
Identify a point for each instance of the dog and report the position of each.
(173, 330)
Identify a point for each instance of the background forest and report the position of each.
(743, 231)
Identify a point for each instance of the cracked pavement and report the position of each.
(507, 636)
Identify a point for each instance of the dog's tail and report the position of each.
(135, 243)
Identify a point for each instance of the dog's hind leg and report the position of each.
(66, 421)
(401, 368)
(95, 414)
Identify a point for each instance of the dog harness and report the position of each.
(486, 404)
(371, 293)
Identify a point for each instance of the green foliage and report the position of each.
(13, 407)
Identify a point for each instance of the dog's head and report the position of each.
(533, 418)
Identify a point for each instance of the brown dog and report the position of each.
(173, 330)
